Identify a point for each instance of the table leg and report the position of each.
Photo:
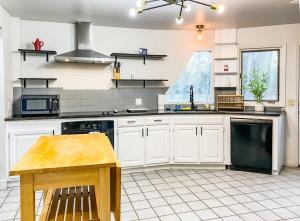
(115, 196)
(103, 194)
(27, 198)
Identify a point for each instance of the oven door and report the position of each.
(36, 105)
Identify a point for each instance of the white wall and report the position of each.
(178, 45)
(279, 35)
(5, 85)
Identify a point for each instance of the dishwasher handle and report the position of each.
(251, 121)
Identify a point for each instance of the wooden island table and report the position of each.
(65, 161)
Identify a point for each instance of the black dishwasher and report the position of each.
(251, 145)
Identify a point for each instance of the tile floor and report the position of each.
(192, 195)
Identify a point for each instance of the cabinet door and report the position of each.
(211, 144)
(131, 146)
(21, 141)
(157, 145)
(185, 144)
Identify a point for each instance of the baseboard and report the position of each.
(13, 183)
(172, 166)
(3, 184)
(198, 167)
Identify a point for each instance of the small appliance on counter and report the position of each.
(39, 105)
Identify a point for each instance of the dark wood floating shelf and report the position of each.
(43, 52)
(135, 80)
(132, 56)
(24, 80)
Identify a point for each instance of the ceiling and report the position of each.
(238, 13)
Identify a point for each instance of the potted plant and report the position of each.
(257, 83)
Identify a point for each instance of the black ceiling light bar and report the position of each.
(141, 6)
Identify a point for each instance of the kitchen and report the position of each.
(163, 144)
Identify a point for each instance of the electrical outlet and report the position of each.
(291, 103)
(138, 101)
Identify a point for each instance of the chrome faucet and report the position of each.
(192, 97)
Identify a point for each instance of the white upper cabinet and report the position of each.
(226, 36)
(226, 52)
(157, 144)
(131, 146)
(228, 80)
(185, 144)
(212, 144)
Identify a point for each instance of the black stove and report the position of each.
(85, 127)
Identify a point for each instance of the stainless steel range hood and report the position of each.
(84, 52)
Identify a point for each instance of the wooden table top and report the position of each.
(66, 152)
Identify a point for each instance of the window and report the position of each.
(197, 73)
(267, 61)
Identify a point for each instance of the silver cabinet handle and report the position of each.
(196, 130)
(157, 120)
(147, 132)
(143, 132)
(131, 121)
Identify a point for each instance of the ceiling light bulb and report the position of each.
(133, 12)
(220, 8)
(179, 20)
(140, 10)
(140, 3)
(187, 7)
(199, 36)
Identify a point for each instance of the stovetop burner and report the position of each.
(107, 112)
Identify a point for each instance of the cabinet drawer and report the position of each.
(212, 121)
(130, 122)
(156, 120)
(198, 120)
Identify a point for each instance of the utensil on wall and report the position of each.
(117, 71)
(38, 44)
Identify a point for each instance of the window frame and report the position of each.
(282, 73)
(211, 78)
(278, 71)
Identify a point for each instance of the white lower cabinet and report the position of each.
(212, 144)
(21, 141)
(131, 146)
(149, 144)
(157, 145)
(185, 144)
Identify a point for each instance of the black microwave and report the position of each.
(39, 105)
